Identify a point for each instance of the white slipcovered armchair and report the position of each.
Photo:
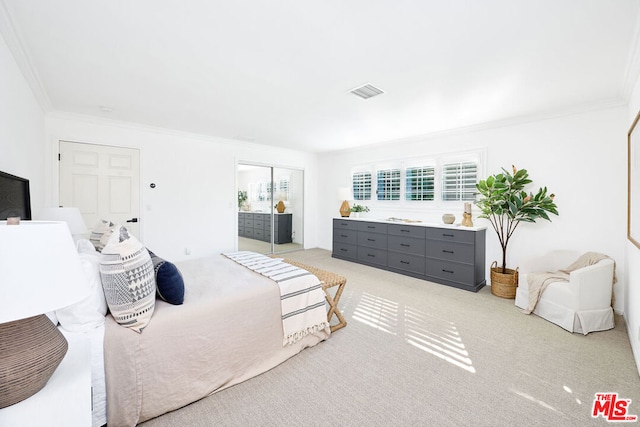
(581, 305)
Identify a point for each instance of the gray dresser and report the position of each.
(452, 256)
(257, 225)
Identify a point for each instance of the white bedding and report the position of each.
(228, 330)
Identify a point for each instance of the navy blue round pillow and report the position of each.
(169, 281)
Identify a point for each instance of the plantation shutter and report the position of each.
(419, 183)
(459, 181)
(361, 182)
(389, 184)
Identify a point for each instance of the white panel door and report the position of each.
(103, 182)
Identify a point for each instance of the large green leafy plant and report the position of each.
(506, 204)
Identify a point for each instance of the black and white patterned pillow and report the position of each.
(101, 233)
(128, 280)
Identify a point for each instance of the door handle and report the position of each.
(132, 220)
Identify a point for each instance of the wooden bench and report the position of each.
(329, 280)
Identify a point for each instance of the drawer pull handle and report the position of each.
(404, 230)
(343, 249)
(343, 235)
(447, 271)
(371, 240)
(447, 252)
(405, 262)
(447, 235)
(405, 245)
(371, 255)
(371, 226)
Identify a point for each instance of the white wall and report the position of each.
(194, 204)
(632, 258)
(580, 157)
(21, 128)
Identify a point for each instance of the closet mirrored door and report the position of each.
(270, 208)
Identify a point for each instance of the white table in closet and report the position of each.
(66, 399)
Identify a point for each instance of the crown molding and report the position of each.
(16, 47)
(603, 104)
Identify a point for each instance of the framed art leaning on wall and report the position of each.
(633, 184)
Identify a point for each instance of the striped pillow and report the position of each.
(128, 280)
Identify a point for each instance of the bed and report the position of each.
(229, 329)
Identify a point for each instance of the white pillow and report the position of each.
(88, 313)
(128, 280)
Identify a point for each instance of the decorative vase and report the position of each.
(448, 218)
(466, 220)
(280, 207)
(503, 285)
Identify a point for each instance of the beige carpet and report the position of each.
(415, 353)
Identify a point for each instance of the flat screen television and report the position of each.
(15, 198)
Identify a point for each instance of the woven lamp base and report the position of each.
(31, 351)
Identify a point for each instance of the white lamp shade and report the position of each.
(40, 270)
(71, 216)
(344, 193)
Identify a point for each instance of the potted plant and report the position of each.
(242, 197)
(356, 209)
(506, 204)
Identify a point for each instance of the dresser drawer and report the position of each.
(241, 230)
(245, 215)
(240, 221)
(345, 224)
(345, 236)
(258, 233)
(451, 235)
(374, 227)
(460, 273)
(407, 230)
(248, 223)
(451, 251)
(406, 262)
(345, 250)
(248, 232)
(411, 245)
(372, 240)
(258, 223)
(372, 256)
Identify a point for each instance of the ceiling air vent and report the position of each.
(366, 91)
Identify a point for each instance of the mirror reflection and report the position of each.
(270, 209)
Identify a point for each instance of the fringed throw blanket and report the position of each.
(538, 282)
(301, 295)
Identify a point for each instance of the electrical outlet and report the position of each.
(187, 251)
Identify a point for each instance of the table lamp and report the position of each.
(344, 194)
(40, 271)
(71, 216)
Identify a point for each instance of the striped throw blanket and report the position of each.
(301, 295)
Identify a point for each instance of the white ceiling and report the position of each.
(280, 72)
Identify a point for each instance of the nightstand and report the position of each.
(66, 399)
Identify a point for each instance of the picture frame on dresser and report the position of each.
(633, 184)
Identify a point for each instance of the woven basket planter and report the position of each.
(503, 285)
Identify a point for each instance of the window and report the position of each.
(459, 181)
(283, 188)
(361, 185)
(389, 184)
(419, 183)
